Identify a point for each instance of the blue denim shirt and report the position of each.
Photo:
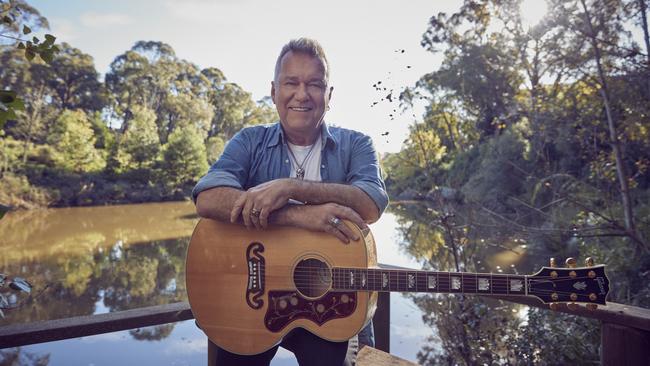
(259, 154)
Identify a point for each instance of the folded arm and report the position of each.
(218, 203)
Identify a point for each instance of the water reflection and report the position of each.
(474, 330)
(90, 260)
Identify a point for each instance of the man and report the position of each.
(298, 172)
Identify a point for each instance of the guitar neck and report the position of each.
(397, 280)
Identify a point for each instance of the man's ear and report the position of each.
(273, 92)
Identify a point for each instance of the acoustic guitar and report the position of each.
(249, 288)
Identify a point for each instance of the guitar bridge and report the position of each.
(255, 288)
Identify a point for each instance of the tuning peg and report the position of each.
(571, 262)
(554, 306)
(592, 306)
(589, 262)
(572, 306)
(552, 263)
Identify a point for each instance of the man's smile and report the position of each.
(300, 109)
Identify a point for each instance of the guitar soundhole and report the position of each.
(312, 277)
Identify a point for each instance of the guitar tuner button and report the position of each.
(574, 296)
(554, 296)
(591, 274)
(553, 274)
(573, 274)
(593, 297)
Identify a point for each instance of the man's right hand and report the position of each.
(320, 218)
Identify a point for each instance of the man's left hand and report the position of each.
(256, 204)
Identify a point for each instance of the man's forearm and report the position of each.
(216, 203)
(343, 194)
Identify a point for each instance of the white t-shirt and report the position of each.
(311, 163)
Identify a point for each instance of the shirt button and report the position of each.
(287, 161)
(323, 166)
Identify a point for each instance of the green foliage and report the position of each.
(74, 142)
(15, 15)
(9, 104)
(214, 147)
(184, 157)
(139, 145)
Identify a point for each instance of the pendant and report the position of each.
(300, 173)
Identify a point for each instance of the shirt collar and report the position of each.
(277, 135)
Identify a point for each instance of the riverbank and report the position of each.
(51, 190)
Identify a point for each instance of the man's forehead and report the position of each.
(293, 58)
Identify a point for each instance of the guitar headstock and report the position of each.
(572, 285)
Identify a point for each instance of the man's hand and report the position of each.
(320, 218)
(256, 204)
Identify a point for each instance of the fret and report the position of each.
(411, 281)
(516, 285)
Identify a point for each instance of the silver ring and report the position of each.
(335, 221)
(255, 212)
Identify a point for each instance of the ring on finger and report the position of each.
(335, 221)
(255, 212)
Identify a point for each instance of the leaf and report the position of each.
(7, 96)
(7, 20)
(26, 29)
(29, 54)
(20, 284)
(49, 39)
(21, 46)
(47, 56)
(36, 40)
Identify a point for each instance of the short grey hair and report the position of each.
(307, 46)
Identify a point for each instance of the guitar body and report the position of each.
(249, 288)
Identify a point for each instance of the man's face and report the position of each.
(300, 94)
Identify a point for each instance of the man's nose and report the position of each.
(301, 93)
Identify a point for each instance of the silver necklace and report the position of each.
(300, 171)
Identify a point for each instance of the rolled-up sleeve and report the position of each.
(230, 170)
(365, 172)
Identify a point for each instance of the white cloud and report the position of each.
(97, 20)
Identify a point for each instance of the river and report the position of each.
(93, 260)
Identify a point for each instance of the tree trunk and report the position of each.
(613, 137)
(646, 38)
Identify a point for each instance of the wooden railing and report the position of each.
(625, 332)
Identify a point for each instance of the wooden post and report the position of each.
(381, 322)
(622, 345)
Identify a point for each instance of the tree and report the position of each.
(74, 142)
(184, 157)
(18, 18)
(139, 145)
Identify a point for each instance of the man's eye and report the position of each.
(290, 83)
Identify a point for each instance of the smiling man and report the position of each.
(297, 172)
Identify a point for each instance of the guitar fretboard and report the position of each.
(428, 281)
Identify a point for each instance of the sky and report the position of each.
(363, 41)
